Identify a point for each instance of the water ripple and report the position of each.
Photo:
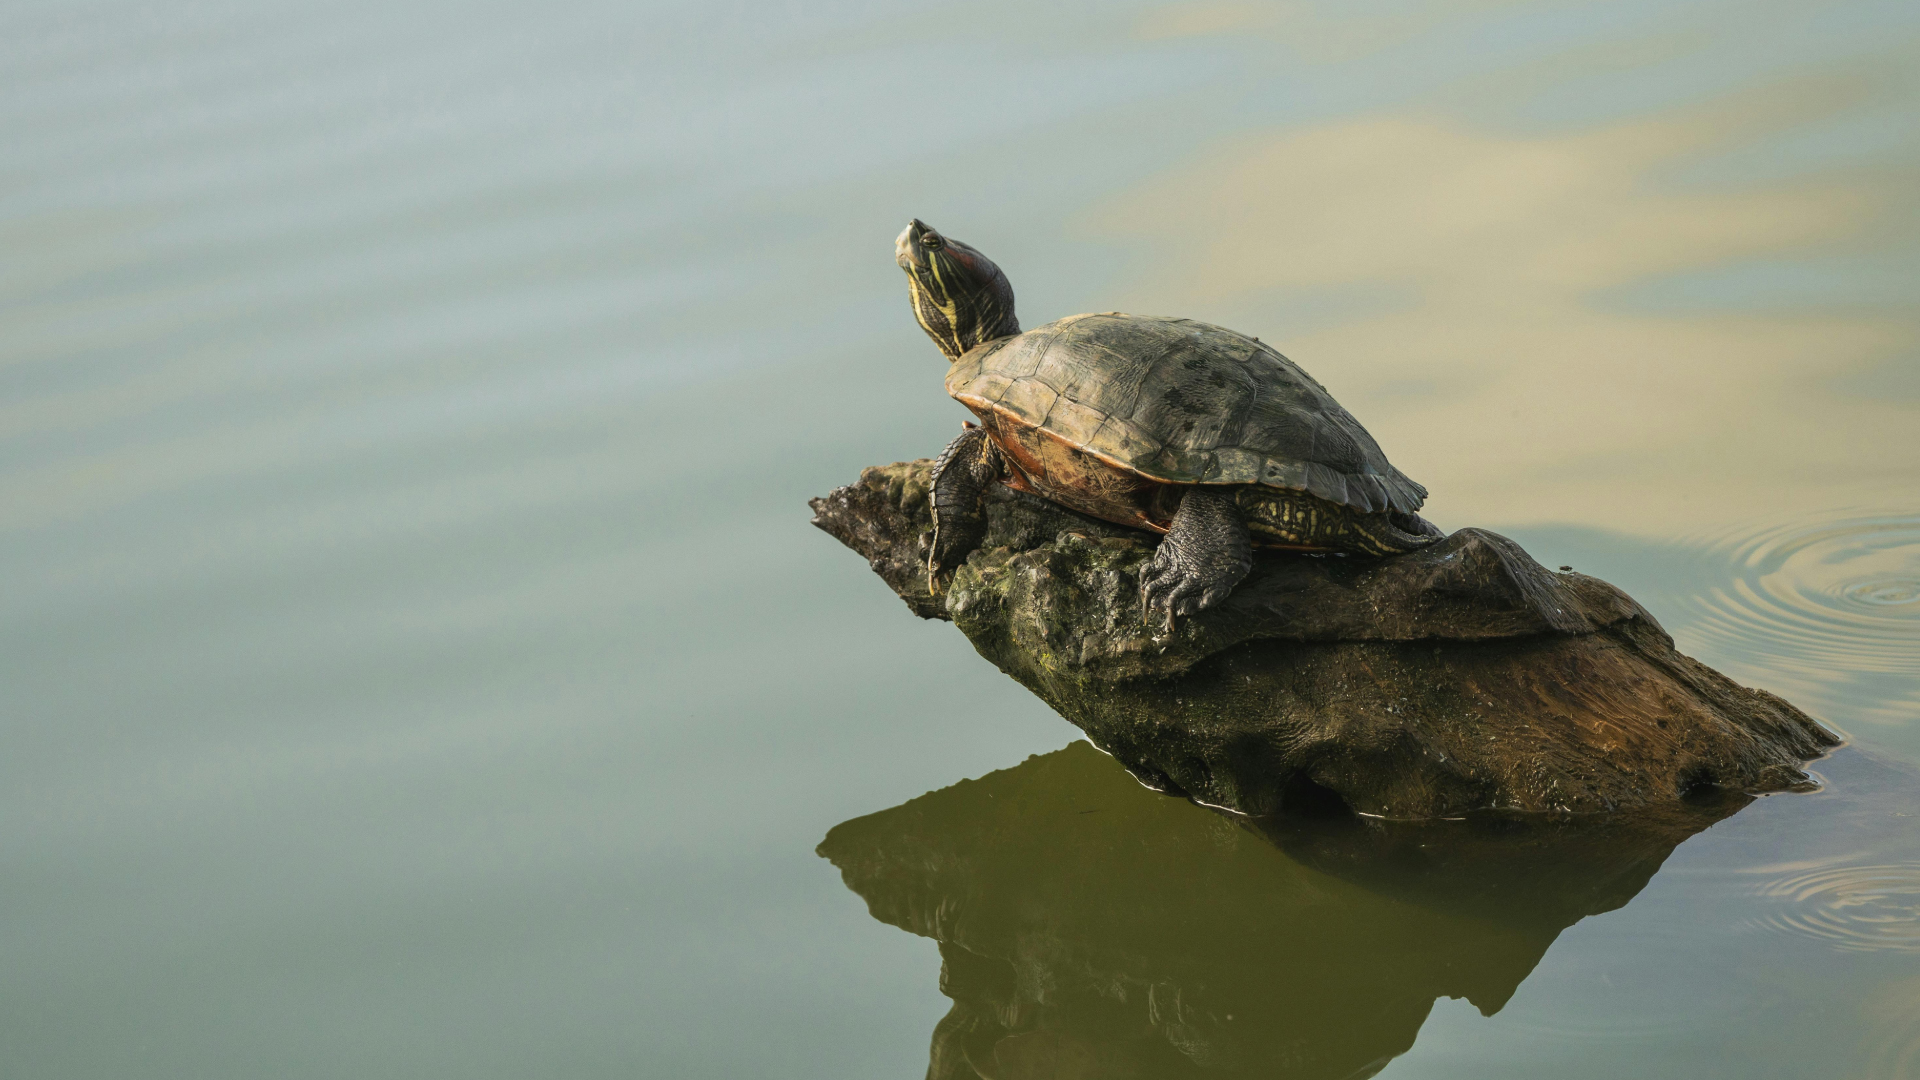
(1855, 908)
(1839, 596)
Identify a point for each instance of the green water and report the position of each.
(418, 662)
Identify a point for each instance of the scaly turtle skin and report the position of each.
(1171, 425)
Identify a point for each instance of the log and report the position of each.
(1463, 676)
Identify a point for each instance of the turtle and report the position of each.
(1206, 436)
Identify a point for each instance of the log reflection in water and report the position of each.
(1091, 928)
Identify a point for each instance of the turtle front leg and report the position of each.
(1204, 555)
(960, 479)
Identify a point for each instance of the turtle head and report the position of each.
(959, 296)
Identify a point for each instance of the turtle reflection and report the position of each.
(1090, 928)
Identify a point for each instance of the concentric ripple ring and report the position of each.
(1855, 908)
(1835, 597)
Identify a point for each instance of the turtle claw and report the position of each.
(1204, 555)
(1166, 594)
(940, 574)
(952, 545)
(1168, 591)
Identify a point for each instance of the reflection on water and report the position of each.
(1087, 927)
(1710, 945)
(1568, 317)
(1091, 928)
(407, 412)
(1896, 1044)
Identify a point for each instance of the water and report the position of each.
(417, 661)
(1089, 928)
(1833, 605)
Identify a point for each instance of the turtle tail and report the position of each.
(1392, 533)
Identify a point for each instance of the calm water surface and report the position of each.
(417, 661)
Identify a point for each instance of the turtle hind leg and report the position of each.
(960, 479)
(1206, 552)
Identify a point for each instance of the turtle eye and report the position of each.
(932, 242)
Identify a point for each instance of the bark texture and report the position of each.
(1462, 676)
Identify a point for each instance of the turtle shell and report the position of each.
(1181, 402)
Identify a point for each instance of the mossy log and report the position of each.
(1463, 676)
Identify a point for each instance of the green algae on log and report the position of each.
(1460, 677)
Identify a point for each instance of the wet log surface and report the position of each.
(1460, 677)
